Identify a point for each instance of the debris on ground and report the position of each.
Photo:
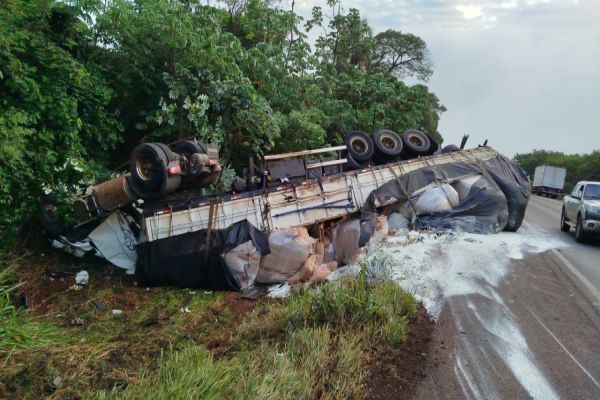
(82, 278)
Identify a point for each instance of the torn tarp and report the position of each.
(496, 200)
(184, 260)
(115, 241)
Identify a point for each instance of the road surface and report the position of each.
(534, 333)
(545, 213)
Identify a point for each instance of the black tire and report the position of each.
(185, 150)
(434, 147)
(579, 234)
(171, 156)
(416, 143)
(352, 163)
(388, 145)
(359, 145)
(148, 166)
(564, 226)
(189, 147)
(170, 185)
(239, 185)
(451, 148)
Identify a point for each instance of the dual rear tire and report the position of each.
(149, 165)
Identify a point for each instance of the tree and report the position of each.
(349, 41)
(402, 55)
(53, 107)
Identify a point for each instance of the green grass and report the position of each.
(315, 344)
(17, 332)
(311, 345)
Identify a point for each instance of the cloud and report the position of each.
(470, 11)
(521, 73)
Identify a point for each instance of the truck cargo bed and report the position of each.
(288, 205)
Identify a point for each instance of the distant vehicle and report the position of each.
(548, 181)
(582, 210)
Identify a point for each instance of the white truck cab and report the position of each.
(582, 210)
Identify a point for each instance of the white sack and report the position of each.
(463, 186)
(437, 199)
(289, 250)
(345, 240)
(243, 262)
(381, 231)
(397, 221)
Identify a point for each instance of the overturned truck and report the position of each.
(302, 218)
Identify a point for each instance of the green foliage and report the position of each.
(78, 77)
(401, 54)
(579, 166)
(52, 106)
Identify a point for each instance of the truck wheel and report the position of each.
(579, 234)
(189, 147)
(148, 166)
(416, 143)
(185, 150)
(563, 222)
(168, 152)
(388, 144)
(352, 163)
(239, 185)
(359, 146)
(451, 148)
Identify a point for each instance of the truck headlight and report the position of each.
(594, 210)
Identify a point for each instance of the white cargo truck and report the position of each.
(548, 181)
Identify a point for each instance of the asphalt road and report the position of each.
(545, 214)
(535, 334)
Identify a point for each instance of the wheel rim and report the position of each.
(144, 167)
(388, 142)
(359, 145)
(415, 140)
(578, 228)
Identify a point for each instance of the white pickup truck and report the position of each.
(582, 210)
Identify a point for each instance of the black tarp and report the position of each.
(497, 202)
(182, 260)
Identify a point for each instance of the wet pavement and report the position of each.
(532, 334)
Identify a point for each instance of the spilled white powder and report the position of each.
(437, 267)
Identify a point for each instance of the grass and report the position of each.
(15, 331)
(318, 343)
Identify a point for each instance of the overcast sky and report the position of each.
(524, 74)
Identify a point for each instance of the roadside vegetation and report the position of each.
(84, 81)
(580, 167)
(321, 342)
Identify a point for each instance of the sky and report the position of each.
(524, 74)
